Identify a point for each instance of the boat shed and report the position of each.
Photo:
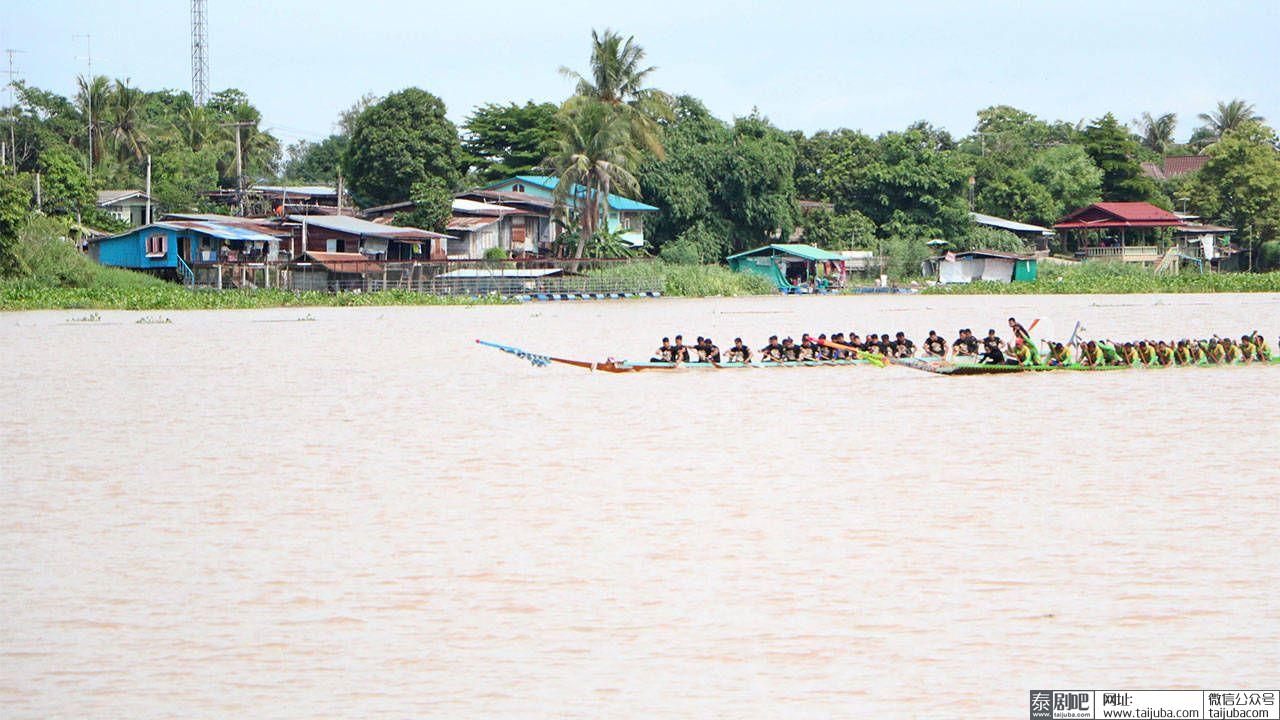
(792, 267)
(987, 265)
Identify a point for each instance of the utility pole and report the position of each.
(37, 192)
(148, 218)
(339, 192)
(239, 162)
(88, 92)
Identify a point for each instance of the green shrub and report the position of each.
(1117, 278)
(688, 280)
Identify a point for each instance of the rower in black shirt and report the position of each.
(934, 345)
(773, 352)
(902, 347)
(993, 349)
(739, 353)
(664, 352)
(710, 352)
(1019, 331)
(971, 344)
(679, 353)
(790, 351)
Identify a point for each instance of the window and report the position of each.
(517, 188)
(157, 245)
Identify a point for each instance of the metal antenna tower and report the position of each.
(199, 51)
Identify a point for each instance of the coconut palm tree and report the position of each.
(93, 99)
(196, 127)
(126, 123)
(617, 79)
(594, 156)
(1157, 132)
(1229, 116)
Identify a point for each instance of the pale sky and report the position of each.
(806, 65)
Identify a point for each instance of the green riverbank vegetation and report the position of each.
(1116, 278)
(721, 186)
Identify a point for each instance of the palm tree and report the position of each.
(1229, 116)
(593, 157)
(93, 98)
(126, 123)
(1157, 132)
(196, 127)
(617, 79)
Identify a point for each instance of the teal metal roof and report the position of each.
(807, 252)
(617, 202)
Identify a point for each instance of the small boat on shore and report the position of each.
(937, 366)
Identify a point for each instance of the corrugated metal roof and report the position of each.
(501, 273)
(514, 198)
(345, 262)
(617, 202)
(807, 252)
(468, 223)
(1010, 225)
(1119, 214)
(357, 226)
(203, 227)
(476, 207)
(308, 190)
(108, 197)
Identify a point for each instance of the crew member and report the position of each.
(664, 352)
(935, 346)
(739, 353)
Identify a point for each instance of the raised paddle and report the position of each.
(874, 358)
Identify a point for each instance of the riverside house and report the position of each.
(169, 248)
(624, 214)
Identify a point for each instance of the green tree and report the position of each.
(907, 187)
(1157, 132)
(505, 140)
(684, 183)
(315, 162)
(178, 177)
(594, 156)
(1069, 178)
(433, 205)
(401, 140)
(1240, 183)
(617, 78)
(832, 231)
(1226, 117)
(15, 208)
(1115, 152)
(126, 124)
(93, 99)
(757, 189)
(64, 185)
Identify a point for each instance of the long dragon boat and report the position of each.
(938, 366)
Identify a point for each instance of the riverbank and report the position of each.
(1116, 279)
(167, 296)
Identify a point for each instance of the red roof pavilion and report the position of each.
(1119, 215)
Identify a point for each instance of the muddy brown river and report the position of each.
(364, 514)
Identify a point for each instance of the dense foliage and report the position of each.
(505, 140)
(400, 140)
(721, 184)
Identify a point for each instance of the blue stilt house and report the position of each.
(169, 248)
